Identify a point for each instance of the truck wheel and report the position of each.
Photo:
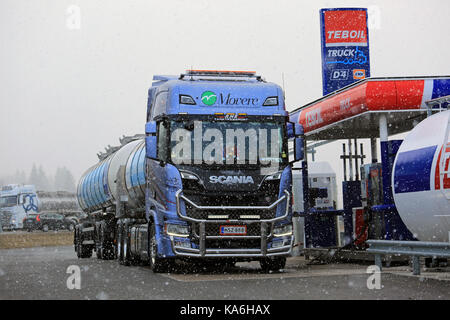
(273, 264)
(119, 244)
(107, 247)
(122, 245)
(45, 228)
(127, 259)
(83, 251)
(98, 244)
(157, 264)
(75, 240)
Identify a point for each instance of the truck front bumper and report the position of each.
(269, 245)
(284, 250)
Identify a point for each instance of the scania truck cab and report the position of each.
(212, 180)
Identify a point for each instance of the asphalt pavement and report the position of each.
(48, 273)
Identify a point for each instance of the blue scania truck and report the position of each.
(209, 181)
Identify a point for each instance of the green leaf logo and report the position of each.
(209, 98)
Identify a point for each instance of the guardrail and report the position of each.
(415, 249)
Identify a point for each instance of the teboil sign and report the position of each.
(345, 47)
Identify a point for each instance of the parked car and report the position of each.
(48, 221)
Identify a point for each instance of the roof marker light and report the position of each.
(220, 72)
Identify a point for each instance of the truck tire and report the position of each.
(107, 245)
(98, 243)
(45, 228)
(127, 258)
(83, 251)
(157, 264)
(120, 244)
(273, 264)
(75, 239)
(103, 246)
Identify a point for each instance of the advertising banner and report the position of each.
(345, 47)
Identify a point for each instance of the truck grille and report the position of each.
(246, 200)
(5, 218)
(232, 214)
(232, 199)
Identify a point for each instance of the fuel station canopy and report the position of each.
(354, 111)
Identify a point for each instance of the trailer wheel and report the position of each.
(157, 264)
(127, 258)
(83, 251)
(75, 241)
(98, 244)
(120, 244)
(273, 264)
(106, 245)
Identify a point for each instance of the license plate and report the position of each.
(233, 230)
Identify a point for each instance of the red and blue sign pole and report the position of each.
(345, 47)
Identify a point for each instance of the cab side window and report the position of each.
(160, 103)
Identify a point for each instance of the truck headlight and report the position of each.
(275, 176)
(282, 231)
(176, 230)
(188, 176)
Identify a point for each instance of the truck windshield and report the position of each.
(8, 201)
(227, 143)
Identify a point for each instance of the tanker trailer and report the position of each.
(118, 178)
(421, 179)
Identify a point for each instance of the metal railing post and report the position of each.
(378, 261)
(416, 265)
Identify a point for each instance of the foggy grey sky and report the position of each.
(66, 94)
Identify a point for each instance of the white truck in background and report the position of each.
(16, 202)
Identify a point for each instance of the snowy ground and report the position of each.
(40, 273)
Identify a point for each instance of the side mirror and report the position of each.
(150, 127)
(150, 140)
(299, 130)
(290, 130)
(295, 130)
(299, 149)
